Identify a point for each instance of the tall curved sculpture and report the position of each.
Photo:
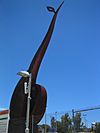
(38, 92)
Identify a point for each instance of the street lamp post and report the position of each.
(28, 105)
(27, 91)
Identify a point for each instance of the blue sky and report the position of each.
(70, 70)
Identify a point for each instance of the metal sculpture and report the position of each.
(38, 92)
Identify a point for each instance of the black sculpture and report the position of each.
(38, 93)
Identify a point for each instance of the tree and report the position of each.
(98, 127)
(63, 126)
(77, 122)
(53, 122)
(59, 127)
(43, 126)
(66, 123)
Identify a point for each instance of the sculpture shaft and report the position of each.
(34, 66)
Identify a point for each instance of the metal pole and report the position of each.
(45, 123)
(73, 120)
(56, 120)
(28, 105)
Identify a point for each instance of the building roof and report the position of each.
(3, 112)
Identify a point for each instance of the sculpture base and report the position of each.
(18, 126)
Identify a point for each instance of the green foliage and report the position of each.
(63, 126)
(66, 123)
(43, 126)
(53, 122)
(77, 122)
(69, 125)
(98, 127)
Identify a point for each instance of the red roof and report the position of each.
(4, 112)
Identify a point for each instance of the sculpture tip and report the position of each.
(59, 6)
(51, 9)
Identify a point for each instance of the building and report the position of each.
(4, 116)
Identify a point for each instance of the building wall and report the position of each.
(4, 121)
